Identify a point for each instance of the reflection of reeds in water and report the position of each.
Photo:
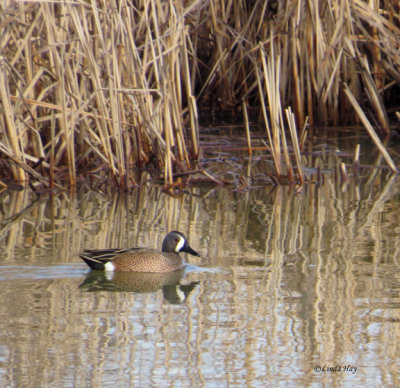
(292, 286)
(104, 88)
(215, 220)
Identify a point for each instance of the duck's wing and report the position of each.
(105, 254)
(97, 258)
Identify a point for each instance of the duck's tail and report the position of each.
(92, 262)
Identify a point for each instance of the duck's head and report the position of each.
(176, 242)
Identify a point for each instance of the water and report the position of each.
(291, 289)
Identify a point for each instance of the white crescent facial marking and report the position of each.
(180, 244)
(109, 266)
(181, 295)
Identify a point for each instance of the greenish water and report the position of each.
(291, 289)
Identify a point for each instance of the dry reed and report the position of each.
(103, 89)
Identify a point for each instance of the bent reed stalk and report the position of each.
(104, 88)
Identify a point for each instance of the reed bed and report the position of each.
(104, 89)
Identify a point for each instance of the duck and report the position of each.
(141, 259)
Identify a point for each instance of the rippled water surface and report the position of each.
(291, 289)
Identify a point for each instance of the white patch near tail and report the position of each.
(109, 266)
(180, 244)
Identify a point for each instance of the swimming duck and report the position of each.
(141, 259)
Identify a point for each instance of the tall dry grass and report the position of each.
(99, 88)
(96, 86)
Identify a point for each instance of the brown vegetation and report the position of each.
(102, 88)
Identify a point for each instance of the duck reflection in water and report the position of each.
(139, 282)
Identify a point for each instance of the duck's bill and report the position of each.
(190, 251)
